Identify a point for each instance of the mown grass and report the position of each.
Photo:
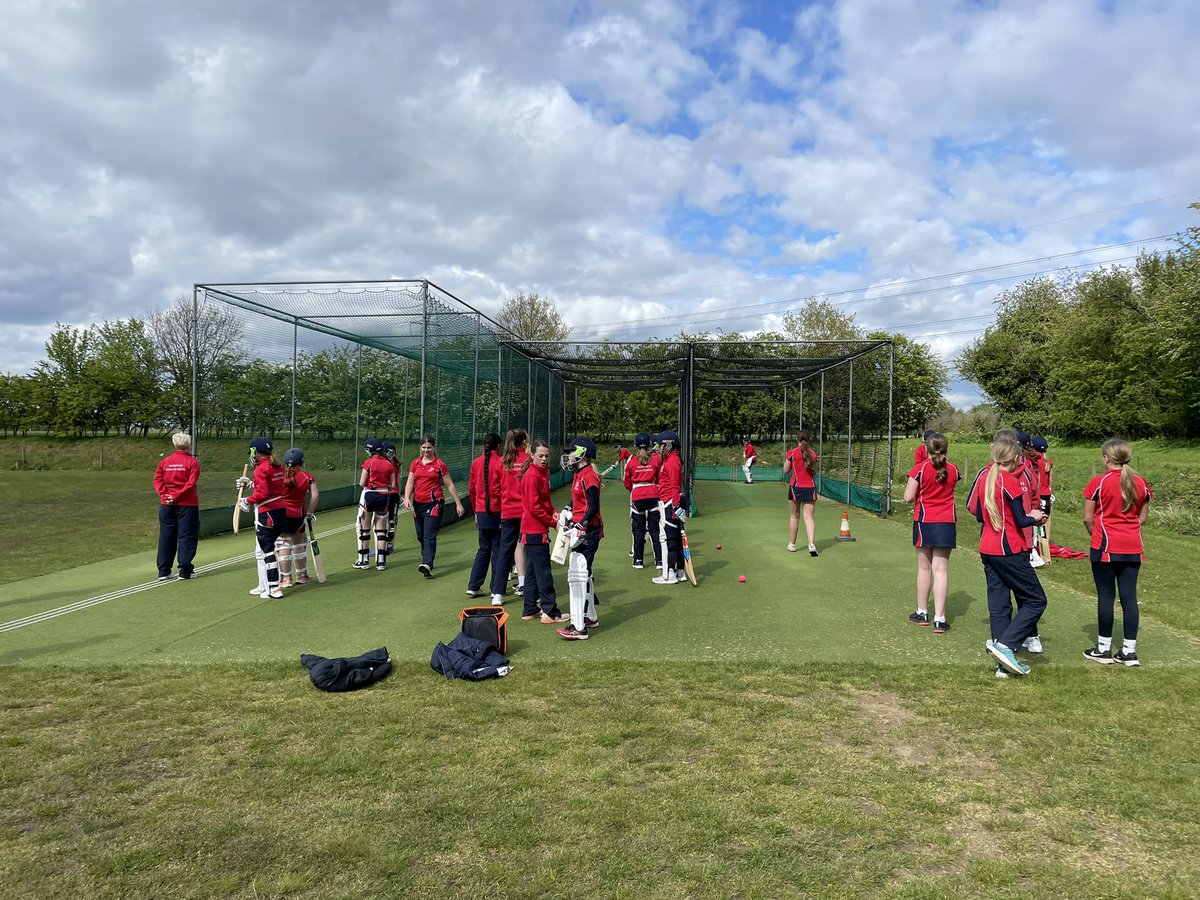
(605, 780)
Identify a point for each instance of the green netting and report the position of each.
(858, 496)
(323, 367)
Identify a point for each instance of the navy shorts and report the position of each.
(293, 525)
(935, 534)
(802, 495)
(375, 501)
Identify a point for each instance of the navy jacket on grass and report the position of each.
(466, 657)
(347, 673)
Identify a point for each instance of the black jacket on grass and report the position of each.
(466, 657)
(347, 673)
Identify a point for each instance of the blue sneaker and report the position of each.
(1007, 658)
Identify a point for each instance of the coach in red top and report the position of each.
(179, 515)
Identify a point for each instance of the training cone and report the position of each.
(844, 531)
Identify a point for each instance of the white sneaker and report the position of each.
(1035, 560)
(1032, 644)
(274, 593)
(497, 599)
(680, 574)
(666, 579)
(812, 549)
(258, 591)
(791, 548)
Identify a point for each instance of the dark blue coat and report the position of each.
(466, 657)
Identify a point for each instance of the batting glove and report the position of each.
(244, 505)
(242, 482)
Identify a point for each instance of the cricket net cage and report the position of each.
(326, 365)
(711, 392)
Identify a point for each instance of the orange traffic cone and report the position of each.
(844, 531)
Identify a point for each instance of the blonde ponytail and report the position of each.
(1004, 453)
(1119, 453)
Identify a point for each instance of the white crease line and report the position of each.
(137, 588)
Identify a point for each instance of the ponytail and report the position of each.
(1004, 453)
(937, 445)
(513, 441)
(490, 442)
(1119, 453)
(806, 452)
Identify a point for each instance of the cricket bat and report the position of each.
(237, 506)
(687, 557)
(314, 551)
(1044, 540)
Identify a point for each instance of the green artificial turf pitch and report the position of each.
(849, 604)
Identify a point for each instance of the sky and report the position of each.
(648, 166)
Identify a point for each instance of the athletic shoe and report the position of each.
(362, 564)
(497, 600)
(919, 618)
(425, 570)
(812, 549)
(791, 548)
(1126, 659)
(389, 549)
(680, 574)
(473, 593)
(285, 583)
(637, 564)
(569, 633)
(1000, 673)
(188, 577)
(555, 620)
(1008, 659)
(529, 617)
(590, 623)
(303, 579)
(381, 566)
(1104, 657)
(666, 579)
(941, 627)
(274, 593)
(518, 589)
(257, 591)
(1033, 644)
(165, 577)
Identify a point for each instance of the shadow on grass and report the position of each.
(65, 647)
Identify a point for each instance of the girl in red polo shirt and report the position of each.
(1115, 506)
(537, 516)
(300, 496)
(997, 501)
(423, 495)
(512, 550)
(799, 467)
(931, 491)
(483, 490)
(269, 515)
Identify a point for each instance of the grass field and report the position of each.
(790, 736)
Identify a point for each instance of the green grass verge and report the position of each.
(601, 780)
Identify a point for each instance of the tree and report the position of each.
(216, 333)
(531, 318)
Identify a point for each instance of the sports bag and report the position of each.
(486, 623)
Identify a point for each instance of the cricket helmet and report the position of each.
(374, 445)
(1040, 444)
(577, 451)
(1024, 438)
(294, 457)
(389, 449)
(671, 436)
(262, 446)
(642, 441)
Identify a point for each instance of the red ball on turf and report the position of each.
(718, 546)
(741, 578)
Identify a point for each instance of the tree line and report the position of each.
(134, 376)
(1114, 351)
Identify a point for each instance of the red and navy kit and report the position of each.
(380, 471)
(585, 501)
(510, 486)
(641, 478)
(268, 485)
(670, 479)
(537, 512)
(1045, 468)
(397, 469)
(427, 479)
(1012, 538)
(935, 499)
(485, 496)
(294, 496)
(748, 450)
(1116, 533)
(801, 477)
(920, 455)
(623, 456)
(176, 477)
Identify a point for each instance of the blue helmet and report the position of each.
(578, 450)
(669, 436)
(294, 457)
(1040, 444)
(642, 441)
(262, 446)
(389, 449)
(1024, 438)
(374, 445)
